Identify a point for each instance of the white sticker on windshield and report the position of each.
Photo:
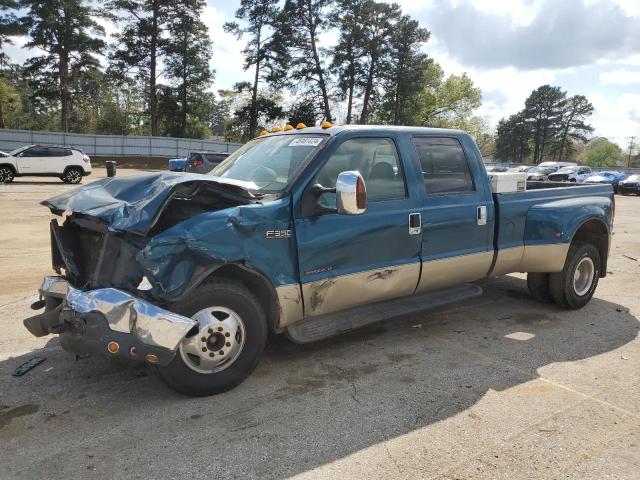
(306, 142)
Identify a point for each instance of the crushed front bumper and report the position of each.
(90, 322)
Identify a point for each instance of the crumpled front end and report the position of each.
(108, 321)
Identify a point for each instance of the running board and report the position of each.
(312, 329)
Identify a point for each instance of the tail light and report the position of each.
(86, 159)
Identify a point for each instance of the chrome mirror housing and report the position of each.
(351, 193)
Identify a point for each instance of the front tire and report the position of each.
(227, 345)
(7, 175)
(573, 287)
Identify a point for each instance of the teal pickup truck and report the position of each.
(307, 232)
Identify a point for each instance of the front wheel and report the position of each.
(227, 343)
(6, 175)
(574, 286)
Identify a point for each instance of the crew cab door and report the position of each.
(456, 213)
(351, 260)
(33, 160)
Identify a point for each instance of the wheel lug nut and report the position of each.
(211, 354)
(210, 331)
(220, 329)
(221, 352)
(204, 349)
(204, 339)
(227, 334)
(228, 344)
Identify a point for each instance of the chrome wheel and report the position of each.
(218, 343)
(73, 176)
(583, 276)
(6, 175)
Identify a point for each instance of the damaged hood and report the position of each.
(134, 203)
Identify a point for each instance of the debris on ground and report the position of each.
(418, 325)
(631, 258)
(28, 365)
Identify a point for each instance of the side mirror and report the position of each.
(351, 193)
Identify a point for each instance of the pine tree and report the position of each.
(188, 52)
(70, 37)
(264, 50)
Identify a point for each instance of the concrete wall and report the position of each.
(113, 145)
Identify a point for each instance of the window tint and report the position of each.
(215, 157)
(67, 152)
(377, 161)
(444, 165)
(36, 152)
(55, 152)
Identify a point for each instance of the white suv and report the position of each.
(67, 163)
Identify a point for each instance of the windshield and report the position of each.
(271, 163)
(15, 152)
(567, 170)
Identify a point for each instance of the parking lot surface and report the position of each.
(495, 387)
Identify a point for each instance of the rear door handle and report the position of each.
(481, 215)
(415, 224)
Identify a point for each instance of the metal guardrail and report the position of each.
(113, 145)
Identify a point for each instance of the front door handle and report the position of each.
(415, 224)
(481, 215)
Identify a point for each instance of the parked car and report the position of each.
(611, 178)
(630, 185)
(521, 168)
(204, 162)
(177, 164)
(570, 174)
(541, 173)
(67, 163)
(311, 233)
(497, 168)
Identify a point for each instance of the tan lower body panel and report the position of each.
(338, 293)
(290, 302)
(453, 270)
(531, 258)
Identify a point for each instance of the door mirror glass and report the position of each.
(351, 193)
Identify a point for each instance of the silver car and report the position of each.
(204, 162)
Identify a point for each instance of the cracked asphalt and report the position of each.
(496, 387)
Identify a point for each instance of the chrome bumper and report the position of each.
(124, 313)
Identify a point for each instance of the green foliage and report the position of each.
(551, 124)
(70, 36)
(602, 153)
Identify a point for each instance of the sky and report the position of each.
(510, 47)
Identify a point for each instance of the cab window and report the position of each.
(444, 165)
(377, 161)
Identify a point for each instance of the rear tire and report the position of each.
(7, 174)
(72, 175)
(538, 284)
(573, 287)
(190, 372)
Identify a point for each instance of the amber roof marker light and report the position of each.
(288, 127)
(263, 133)
(300, 126)
(326, 124)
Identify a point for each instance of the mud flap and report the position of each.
(39, 325)
(320, 327)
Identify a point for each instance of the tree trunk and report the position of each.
(63, 71)
(253, 114)
(153, 89)
(321, 82)
(2, 124)
(565, 133)
(364, 115)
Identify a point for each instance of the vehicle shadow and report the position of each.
(304, 406)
